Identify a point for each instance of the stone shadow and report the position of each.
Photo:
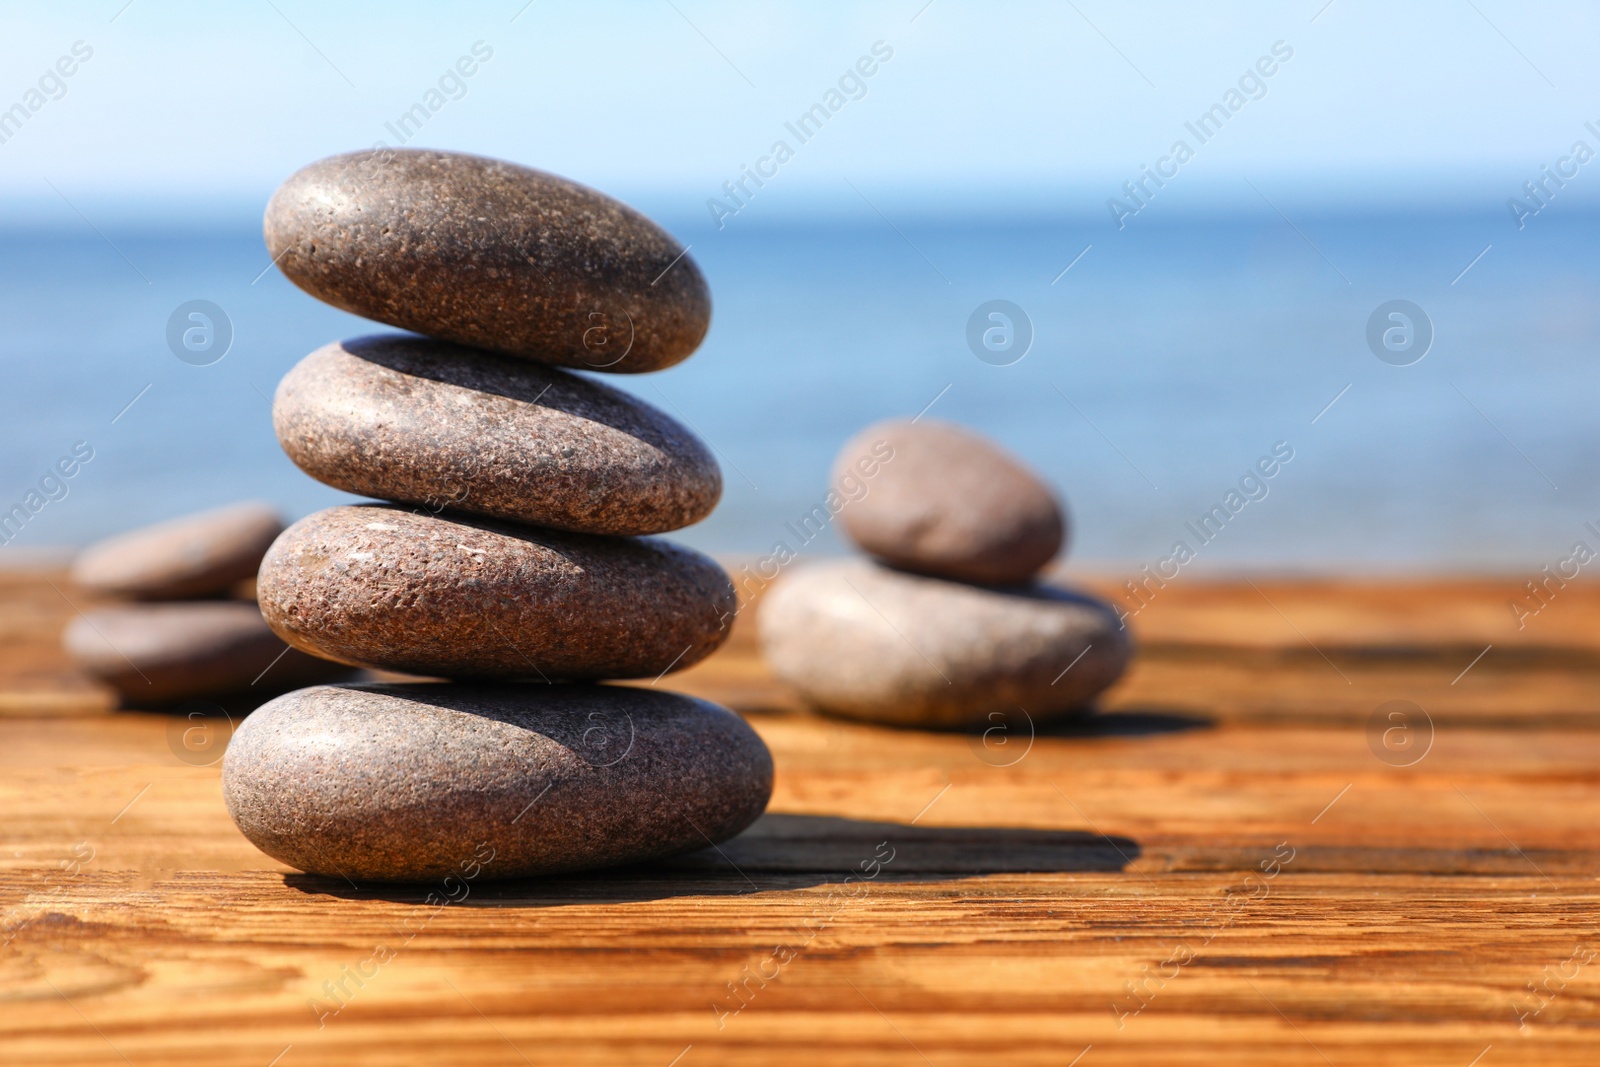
(1127, 722)
(779, 852)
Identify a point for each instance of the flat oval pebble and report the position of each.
(380, 586)
(194, 556)
(424, 782)
(867, 642)
(489, 254)
(408, 418)
(163, 653)
(937, 499)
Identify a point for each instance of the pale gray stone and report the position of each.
(155, 654)
(193, 556)
(864, 641)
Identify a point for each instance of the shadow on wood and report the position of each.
(830, 845)
(1128, 722)
(779, 852)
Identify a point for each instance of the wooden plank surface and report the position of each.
(1227, 864)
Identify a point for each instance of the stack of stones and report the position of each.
(513, 558)
(188, 627)
(949, 625)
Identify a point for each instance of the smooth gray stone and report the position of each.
(456, 597)
(156, 654)
(490, 254)
(433, 423)
(197, 555)
(427, 781)
(860, 640)
(938, 499)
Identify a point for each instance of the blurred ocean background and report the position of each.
(1166, 360)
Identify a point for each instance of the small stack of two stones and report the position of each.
(515, 552)
(949, 624)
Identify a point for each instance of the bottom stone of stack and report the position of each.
(423, 781)
(861, 640)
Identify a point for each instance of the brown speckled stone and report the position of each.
(163, 653)
(944, 501)
(193, 556)
(380, 586)
(489, 254)
(407, 418)
(867, 642)
(421, 782)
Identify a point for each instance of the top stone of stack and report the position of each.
(489, 254)
(949, 504)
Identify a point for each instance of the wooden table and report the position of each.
(1232, 864)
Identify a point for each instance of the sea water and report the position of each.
(1145, 372)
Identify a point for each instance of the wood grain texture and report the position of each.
(1219, 867)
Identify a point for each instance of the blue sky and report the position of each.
(186, 108)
